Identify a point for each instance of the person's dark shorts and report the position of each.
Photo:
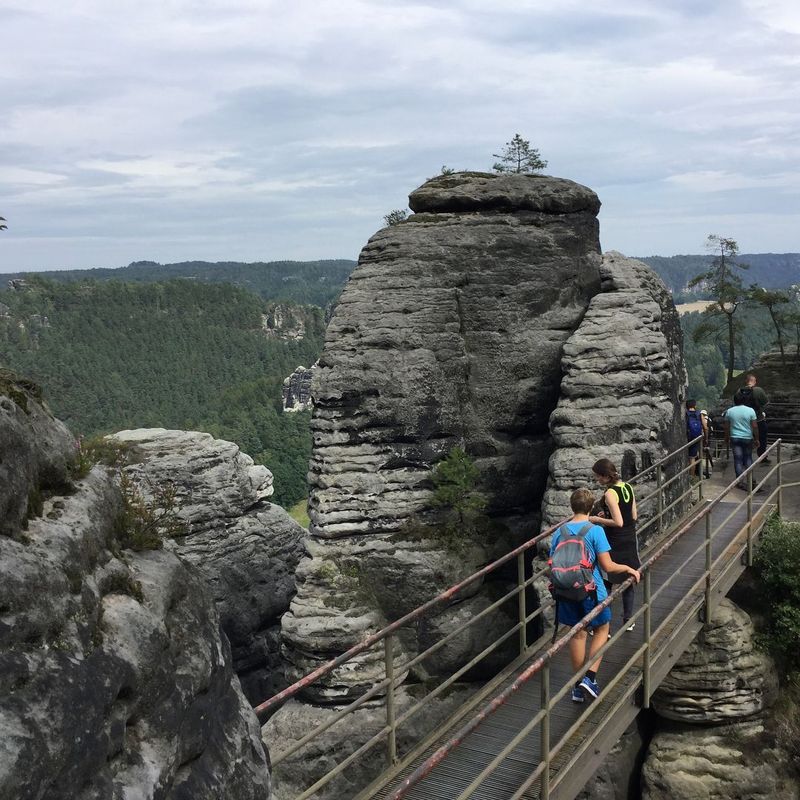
(694, 450)
(570, 613)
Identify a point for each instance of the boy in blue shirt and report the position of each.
(570, 613)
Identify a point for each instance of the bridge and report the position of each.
(520, 736)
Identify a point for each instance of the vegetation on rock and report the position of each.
(519, 156)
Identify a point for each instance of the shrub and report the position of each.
(777, 565)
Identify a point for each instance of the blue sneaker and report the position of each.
(577, 695)
(589, 686)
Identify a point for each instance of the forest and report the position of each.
(177, 354)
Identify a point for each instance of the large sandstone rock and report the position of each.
(732, 762)
(115, 680)
(36, 451)
(618, 776)
(721, 677)
(246, 548)
(623, 384)
(449, 332)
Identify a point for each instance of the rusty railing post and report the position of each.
(648, 644)
(750, 518)
(545, 733)
(780, 478)
(707, 619)
(660, 497)
(523, 612)
(391, 739)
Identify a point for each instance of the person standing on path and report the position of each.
(741, 433)
(618, 520)
(696, 425)
(754, 396)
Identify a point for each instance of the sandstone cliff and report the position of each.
(115, 680)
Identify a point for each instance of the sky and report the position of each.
(253, 130)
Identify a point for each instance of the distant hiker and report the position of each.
(573, 602)
(741, 432)
(695, 426)
(755, 397)
(618, 517)
(708, 428)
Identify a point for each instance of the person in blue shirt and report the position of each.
(570, 613)
(741, 433)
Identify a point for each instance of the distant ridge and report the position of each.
(312, 282)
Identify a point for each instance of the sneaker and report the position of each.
(577, 695)
(630, 627)
(589, 686)
(767, 461)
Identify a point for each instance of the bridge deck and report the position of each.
(587, 732)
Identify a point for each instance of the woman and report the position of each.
(618, 519)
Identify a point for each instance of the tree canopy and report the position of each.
(519, 156)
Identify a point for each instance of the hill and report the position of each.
(178, 354)
(770, 270)
(314, 282)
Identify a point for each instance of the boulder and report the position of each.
(246, 548)
(721, 677)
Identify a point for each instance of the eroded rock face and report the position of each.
(618, 777)
(247, 549)
(450, 332)
(115, 681)
(623, 384)
(721, 677)
(35, 451)
(296, 392)
(721, 763)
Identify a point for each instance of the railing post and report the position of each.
(545, 733)
(779, 474)
(660, 496)
(391, 739)
(701, 466)
(707, 619)
(750, 518)
(647, 642)
(523, 612)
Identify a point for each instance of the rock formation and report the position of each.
(623, 384)
(721, 681)
(296, 392)
(245, 548)
(115, 680)
(721, 676)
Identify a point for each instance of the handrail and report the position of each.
(264, 709)
(543, 661)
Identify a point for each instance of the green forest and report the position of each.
(177, 354)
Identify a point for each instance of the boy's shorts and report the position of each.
(571, 613)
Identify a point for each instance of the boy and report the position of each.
(571, 612)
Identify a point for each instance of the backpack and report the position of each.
(571, 566)
(694, 425)
(745, 396)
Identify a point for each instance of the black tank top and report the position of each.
(624, 492)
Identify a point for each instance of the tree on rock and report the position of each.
(777, 305)
(519, 156)
(724, 283)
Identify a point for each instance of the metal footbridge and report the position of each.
(520, 736)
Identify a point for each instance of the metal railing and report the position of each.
(636, 674)
(672, 492)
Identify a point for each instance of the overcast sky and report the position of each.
(253, 130)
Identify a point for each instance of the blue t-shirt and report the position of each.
(596, 543)
(740, 418)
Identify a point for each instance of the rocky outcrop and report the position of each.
(721, 763)
(721, 681)
(721, 677)
(296, 392)
(115, 681)
(36, 452)
(618, 777)
(484, 284)
(246, 548)
(623, 384)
